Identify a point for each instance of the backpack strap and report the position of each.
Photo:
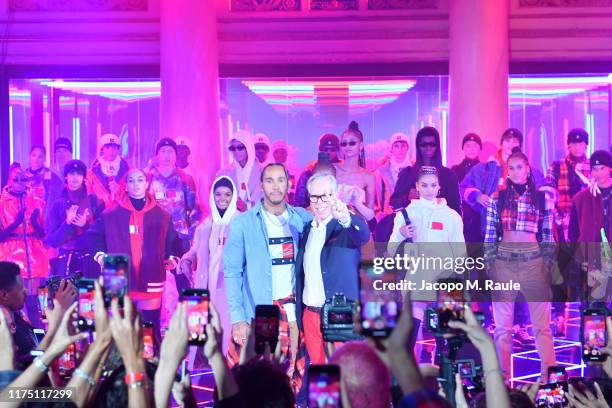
(405, 215)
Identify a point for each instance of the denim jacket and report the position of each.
(247, 268)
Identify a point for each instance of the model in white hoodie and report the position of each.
(436, 230)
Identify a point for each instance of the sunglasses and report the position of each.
(427, 144)
(351, 143)
(20, 179)
(324, 198)
(238, 148)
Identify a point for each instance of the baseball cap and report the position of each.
(109, 139)
(327, 141)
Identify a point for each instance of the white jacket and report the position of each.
(438, 233)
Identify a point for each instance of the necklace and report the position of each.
(278, 220)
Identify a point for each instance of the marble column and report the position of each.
(478, 65)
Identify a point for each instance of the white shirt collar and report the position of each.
(321, 224)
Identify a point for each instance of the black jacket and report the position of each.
(340, 260)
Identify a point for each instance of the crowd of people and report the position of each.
(264, 235)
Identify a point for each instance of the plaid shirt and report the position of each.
(520, 215)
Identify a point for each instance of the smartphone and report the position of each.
(267, 318)
(465, 368)
(115, 274)
(380, 309)
(86, 301)
(324, 386)
(197, 314)
(43, 300)
(557, 374)
(67, 362)
(594, 336)
(551, 396)
(450, 304)
(148, 338)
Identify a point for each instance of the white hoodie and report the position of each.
(438, 233)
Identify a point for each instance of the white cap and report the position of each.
(261, 138)
(109, 138)
(399, 137)
(184, 141)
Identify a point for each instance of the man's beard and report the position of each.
(276, 201)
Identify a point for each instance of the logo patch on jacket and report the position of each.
(437, 225)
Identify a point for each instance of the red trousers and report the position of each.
(313, 336)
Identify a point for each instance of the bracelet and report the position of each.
(137, 384)
(84, 376)
(133, 378)
(40, 365)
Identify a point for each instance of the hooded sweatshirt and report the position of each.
(438, 233)
(449, 186)
(247, 178)
(207, 253)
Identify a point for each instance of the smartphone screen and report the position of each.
(379, 308)
(197, 313)
(267, 319)
(86, 294)
(67, 362)
(593, 335)
(148, 339)
(551, 395)
(324, 386)
(43, 300)
(465, 368)
(557, 374)
(115, 274)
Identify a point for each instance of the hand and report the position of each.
(483, 200)
(607, 364)
(475, 332)
(71, 214)
(81, 219)
(63, 338)
(214, 333)
(127, 334)
(174, 345)
(359, 196)
(65, 295)
(530, 389)
(240, 332)
(34, 216)
(585, 399)
(407, 231)
(103, 331)
(183, 393)
(340, 210)
(460, 400)
(594, 189)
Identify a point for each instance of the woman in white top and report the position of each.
(356, 185)
(207, 249)
(434, 231)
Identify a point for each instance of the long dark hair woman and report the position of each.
(519, 247)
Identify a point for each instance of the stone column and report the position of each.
(478, 64)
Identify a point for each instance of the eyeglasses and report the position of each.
(324, 198)
(427, 144)
(351, 143)
(20, 179)
(239, 148)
